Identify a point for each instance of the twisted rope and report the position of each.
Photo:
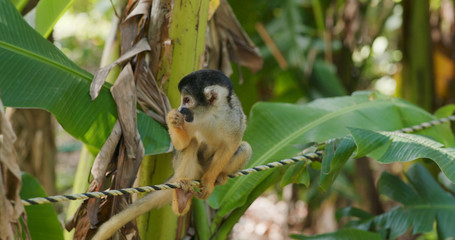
(425, 125)
(302, 157)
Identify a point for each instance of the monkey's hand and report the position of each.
(175, 119)
(179, 135)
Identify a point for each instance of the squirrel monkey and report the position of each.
(206, 131)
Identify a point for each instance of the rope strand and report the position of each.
(302, 157)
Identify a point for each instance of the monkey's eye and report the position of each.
(186, 100)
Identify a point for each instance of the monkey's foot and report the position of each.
(175, 118)
(206, 190)
(221, 179)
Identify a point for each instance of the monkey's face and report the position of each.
(204, 94)
(204, 103)
(187, 103)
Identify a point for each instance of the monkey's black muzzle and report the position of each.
(187, 113)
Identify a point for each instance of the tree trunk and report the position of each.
(417, 76)
(35, 145)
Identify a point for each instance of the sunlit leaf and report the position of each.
(48, 12)
(445, 111)
(19, 4)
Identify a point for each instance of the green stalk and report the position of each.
(158, 223)
(319, 16)
(201, 219)
(81, 183)
(187, 32)
(417, 75)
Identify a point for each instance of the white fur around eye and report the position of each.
(186, 101)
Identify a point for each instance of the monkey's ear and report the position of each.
(211, 96)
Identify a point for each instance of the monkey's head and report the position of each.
(202, 90)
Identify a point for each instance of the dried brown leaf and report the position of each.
(125, 176)
(124, 94)
(151, 98)
(93, 204)
(80, 220)
(101, 74)
(84, 228)
(104, 157)
(10, 182)
(233, 41)
(142, 8)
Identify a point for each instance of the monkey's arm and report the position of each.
(179, 136)
(186, 169)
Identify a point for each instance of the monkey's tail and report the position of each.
(141, 206)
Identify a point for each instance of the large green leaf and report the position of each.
(47, 14)
(424, 202)
(42, 220)
(35, 74)
(343, 234)
(387, 147)
(275, 131)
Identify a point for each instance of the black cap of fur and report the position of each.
(195, 83)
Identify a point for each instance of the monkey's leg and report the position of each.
(219, 162)
(237, 162)
(179, 136)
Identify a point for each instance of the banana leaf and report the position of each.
(36, 74)
(277, 131)
(387, 147)
(48, 12)
(423, 201)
